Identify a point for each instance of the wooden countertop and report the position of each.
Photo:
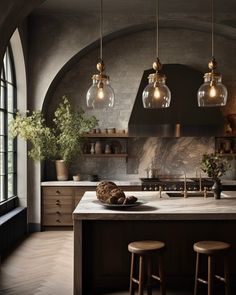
(165, 208)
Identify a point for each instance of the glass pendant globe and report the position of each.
(212, 94)
(156, 94)
(100, 97)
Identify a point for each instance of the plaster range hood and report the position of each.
(183, 117)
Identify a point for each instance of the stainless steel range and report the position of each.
(176, 184)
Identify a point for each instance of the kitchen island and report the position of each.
(101, 236)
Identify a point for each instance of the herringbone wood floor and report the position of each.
(42, 265)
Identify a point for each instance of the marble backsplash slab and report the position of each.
(167, 155)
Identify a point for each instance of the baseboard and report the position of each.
(34, 227)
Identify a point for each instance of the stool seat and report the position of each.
(145, 252)
(145, 247)
(211, 247)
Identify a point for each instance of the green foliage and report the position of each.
(215, 166)
(62, 141)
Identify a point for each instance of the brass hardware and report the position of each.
(205, 192)
(200, 178)
(58, 192)
(185, 185)
(59, 213)
(212, 64)
(101, 66)
(160, 190)
(157, 65)
(58, 221)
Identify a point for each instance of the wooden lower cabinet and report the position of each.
(58, 203)
(57, 206)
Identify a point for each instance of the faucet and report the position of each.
(185, 184)
(200, 178)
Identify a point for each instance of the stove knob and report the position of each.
(175, 188)
(150, 188)
(145, 188)
(156, 188)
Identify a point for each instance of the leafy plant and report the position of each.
(62, 141)
(215, 166)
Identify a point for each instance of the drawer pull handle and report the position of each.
(59, 213)
(58, 221)
(58, 192)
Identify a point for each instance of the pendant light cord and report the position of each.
(212, 28)
(101, 27)
(157, 28)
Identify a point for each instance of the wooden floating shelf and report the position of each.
(226, 154)
(120, 135)
(106, 155)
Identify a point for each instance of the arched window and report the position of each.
(8, 184)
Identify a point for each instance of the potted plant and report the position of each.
(215, 166)
(62, 142)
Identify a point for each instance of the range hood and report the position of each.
(183, 117)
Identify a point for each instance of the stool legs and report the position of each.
(141, 274)
(196, 274)
(226, 276)
(162, 276)
(210, 275)
(149, 275)
(131, 285)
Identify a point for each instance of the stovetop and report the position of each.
(174, 179)
(175, 183)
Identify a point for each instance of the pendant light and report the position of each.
(156, 94)
(212, 93)
(100, 95)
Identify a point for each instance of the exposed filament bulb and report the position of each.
(212, 91)
(157, 93)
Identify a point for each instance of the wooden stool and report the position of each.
(212, 249)
(145, 250)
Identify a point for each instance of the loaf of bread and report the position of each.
(108, 192)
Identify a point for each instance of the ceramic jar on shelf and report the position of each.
(98, 147)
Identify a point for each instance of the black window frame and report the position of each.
(8, 110)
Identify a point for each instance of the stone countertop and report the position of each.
(90, 183)
(156, 208)
(118, 182)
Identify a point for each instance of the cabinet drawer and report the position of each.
(57, 220)
(58, 191)
(57, 200)
(58, 209)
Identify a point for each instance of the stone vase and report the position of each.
(217, 188)
(62, 170)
